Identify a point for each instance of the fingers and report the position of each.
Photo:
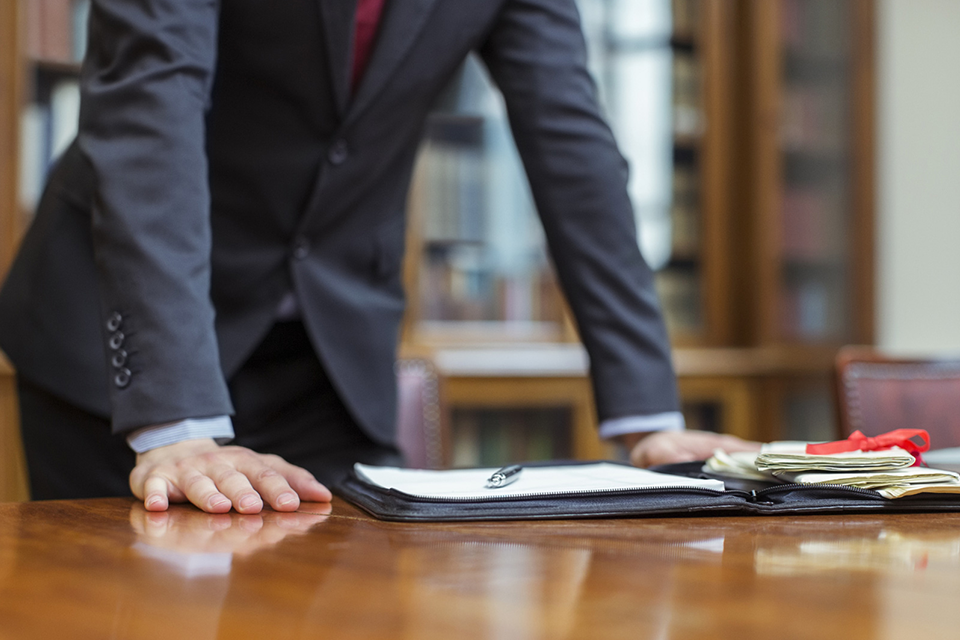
(733, 443)
(220, 478)
(234, 483)
(274, 488)
(155, 494)
(300, 480)
(668, 447)
(202, 491)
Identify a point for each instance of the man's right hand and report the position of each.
(216, 479)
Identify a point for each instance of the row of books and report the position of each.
(814, 307)
(685, 218)
(452, 189)
(496, 437)
(455, 285)
(55, 32)
(814, 118)
(46, 128)
(817, 27)
(56, 29)
(680, 299)
(688, 121)
(814, 225)
(686, 18)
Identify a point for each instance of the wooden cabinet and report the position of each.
(40, 44)
(12, 471)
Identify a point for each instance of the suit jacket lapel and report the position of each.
(338, 27)
(401, 23)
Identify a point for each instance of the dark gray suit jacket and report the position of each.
(222, 162)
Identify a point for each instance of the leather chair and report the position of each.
(877, 393)
(419, 414)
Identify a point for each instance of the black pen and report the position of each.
(504, 476)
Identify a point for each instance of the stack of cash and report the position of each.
(779, 457)
(889, 472)
(894, 483)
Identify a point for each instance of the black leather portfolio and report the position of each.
(739, 498)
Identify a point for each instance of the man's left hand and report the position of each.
(666, 447)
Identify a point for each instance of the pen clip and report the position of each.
(504, 476)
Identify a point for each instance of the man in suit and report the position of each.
(225, 238)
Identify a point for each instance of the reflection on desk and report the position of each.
(197, 544)
(108, 569)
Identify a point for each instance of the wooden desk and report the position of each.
(106, 569)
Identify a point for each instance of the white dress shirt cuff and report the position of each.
(668, 421)
(219, 428)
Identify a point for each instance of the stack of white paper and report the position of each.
(470, 484)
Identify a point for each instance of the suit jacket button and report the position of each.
(301, 248)
(114, 322)
(116, 340)
(119, 358)
(338, 152)
(122, 379)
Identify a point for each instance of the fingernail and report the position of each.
(287, 498)
(154, 501)
(216, 503)
(249, 501)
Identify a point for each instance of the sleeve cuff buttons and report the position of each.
(122, 375)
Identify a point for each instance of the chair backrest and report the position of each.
(877, 393)
(419, 414)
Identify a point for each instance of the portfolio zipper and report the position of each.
(579, 494)
(754, 495)
(750, 496)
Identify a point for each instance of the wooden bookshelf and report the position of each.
(808, 132)
(39, 67)
(13, 484)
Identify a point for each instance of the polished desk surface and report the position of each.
(108, 569)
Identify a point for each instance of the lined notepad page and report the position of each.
(551, 480)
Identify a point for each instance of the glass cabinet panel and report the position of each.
(493, 437)
(816, 168)
(645, 56)
(482, 271)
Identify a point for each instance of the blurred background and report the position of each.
(795, 174)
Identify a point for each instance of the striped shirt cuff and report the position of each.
(161, 435)
(668, 421)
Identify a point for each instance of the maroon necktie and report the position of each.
(368, 17)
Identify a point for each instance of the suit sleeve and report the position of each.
(537, 56)
(144, 88)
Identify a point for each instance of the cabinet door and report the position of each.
(813, 114)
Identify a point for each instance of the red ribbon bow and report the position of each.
(902, 438)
